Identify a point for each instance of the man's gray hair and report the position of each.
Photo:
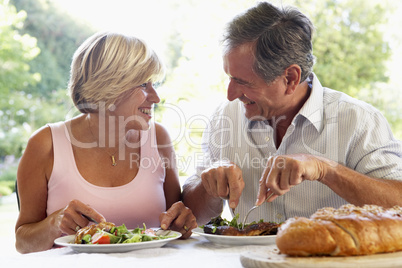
(282, 37)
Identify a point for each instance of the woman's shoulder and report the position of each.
(41, 137)
(162, 134)
(159, 128)
(39, 149)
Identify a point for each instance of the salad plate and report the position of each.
(68, 241)
(236, 240)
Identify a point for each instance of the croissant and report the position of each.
(347, 231)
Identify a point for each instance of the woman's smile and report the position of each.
(147, 111)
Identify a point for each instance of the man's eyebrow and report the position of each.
(241, 81)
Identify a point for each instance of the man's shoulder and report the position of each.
(337, 99)
(345, 102)
(228, 108)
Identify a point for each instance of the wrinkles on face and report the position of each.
(260, 99)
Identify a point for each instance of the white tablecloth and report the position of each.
(193, 252)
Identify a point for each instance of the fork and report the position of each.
(251, 209)
(245, 218)
(161, 232)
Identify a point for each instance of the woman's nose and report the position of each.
(153, 95)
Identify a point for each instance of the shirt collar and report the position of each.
(312, 109)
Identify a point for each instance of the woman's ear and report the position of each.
(292, 76)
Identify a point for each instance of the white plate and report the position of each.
(236, 240)
(67, 241)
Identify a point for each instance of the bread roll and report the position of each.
(346, 231)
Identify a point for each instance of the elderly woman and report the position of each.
(111, 162)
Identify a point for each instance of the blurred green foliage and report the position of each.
(7, 180)
(16, 50)
(58, 36)
(349, 43)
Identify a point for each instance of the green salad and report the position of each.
(120, 235)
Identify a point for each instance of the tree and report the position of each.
(15, 52)
(348, 42)
(58, 35)
(33, 80)
(353, 53)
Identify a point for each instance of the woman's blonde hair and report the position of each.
(107, 65)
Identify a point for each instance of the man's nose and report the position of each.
(233, 91)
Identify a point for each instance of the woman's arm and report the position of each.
(166, 151)
(177, 217)
(35, 231)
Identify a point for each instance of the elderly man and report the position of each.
(284, 138)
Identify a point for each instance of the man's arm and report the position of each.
(284, 172)
(359, 189)
(203, 205)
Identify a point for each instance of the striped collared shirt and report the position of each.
(330, 124)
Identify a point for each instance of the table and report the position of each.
(197, 252)
(193, 252)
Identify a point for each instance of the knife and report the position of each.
(89, 218)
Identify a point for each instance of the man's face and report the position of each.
(260, 99)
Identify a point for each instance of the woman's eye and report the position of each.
(156, 84)
(144, 85)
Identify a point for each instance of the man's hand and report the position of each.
(285, 171)
(224, 180)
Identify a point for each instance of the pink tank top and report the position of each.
(137, 202)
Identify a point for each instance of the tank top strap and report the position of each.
(149, 146)
(63, 157)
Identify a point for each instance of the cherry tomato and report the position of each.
(100, 238)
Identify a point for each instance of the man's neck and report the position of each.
(282, 123)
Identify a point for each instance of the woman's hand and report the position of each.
(71, 219)
(178, 218)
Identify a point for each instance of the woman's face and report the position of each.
(134, 108)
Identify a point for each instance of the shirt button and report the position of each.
(266, 138)
(279, 216)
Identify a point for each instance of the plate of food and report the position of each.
(108, 238)
(223, 232)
